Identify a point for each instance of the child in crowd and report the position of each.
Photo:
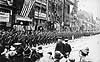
(83, 53)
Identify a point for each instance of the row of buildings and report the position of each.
(32, 14)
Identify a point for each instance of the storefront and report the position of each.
(23, 23)
(7, 14)
(6, 17)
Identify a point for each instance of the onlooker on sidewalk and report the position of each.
(83, 53)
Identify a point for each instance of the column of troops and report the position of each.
(19, 46)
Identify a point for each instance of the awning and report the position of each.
(23, 18)
(4, 17)
(40, 18)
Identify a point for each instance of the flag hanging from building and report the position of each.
(26, 7)
(71, 8)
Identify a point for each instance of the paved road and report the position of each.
(93, 42)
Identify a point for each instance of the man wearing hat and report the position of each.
(59, 45)
(67, 48)
(59, 49)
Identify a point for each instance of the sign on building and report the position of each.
(4, 17)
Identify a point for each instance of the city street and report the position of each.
(30, 29)
(93, 42)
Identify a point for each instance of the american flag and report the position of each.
(27, 7)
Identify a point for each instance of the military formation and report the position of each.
(18, 46)
(21, 46)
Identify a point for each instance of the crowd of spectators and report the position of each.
(22, 44)
(27, 40)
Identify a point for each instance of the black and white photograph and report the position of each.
(49, 30)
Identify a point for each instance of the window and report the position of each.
(43, 10)
(37, 8)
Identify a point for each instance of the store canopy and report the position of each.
(23, 18)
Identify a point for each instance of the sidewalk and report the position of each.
(93, 42)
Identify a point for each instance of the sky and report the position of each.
(91, 6)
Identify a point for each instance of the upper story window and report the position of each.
(43, 10)
(4, 10)
(37, 8)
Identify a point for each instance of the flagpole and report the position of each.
(63, 6)
(47, 9)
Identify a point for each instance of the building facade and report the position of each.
(64, 13)
(40, 14)
(6, 14)
(42, 11)
(33, 13)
